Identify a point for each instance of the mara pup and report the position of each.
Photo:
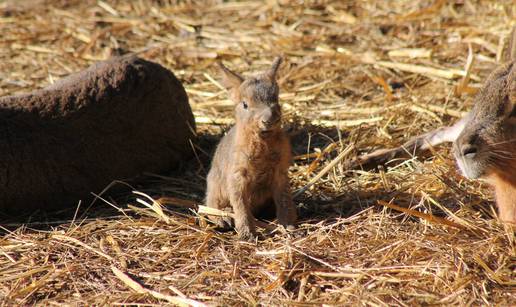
(249, 170)
(486, 147)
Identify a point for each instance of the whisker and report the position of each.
(504, 157)
(498, 159)
(503, 153)
(491, 150)
(503, 142)
(499, 150)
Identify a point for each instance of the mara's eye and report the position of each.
(244, 104)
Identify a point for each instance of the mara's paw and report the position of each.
(288, 221)
(287, 215)
(222, 222)
(290, 227)
(246, 235)
(246, 230)
(290, 231)
(286, 228)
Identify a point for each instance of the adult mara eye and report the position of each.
(244, 104)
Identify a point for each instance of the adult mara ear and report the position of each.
(271, 73)
(230, 79)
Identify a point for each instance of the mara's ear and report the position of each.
(271, 73)
(509, 53)
(230, 79)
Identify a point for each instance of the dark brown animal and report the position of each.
(114, 120)
(486, 148)
(250, 167)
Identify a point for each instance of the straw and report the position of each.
(358, 78)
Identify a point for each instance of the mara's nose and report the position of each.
(266, 122)
(270, 121)
(469, 151)
(270, 117)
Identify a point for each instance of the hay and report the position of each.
(414, 232)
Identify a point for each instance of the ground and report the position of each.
(413, 232)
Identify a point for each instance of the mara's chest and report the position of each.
(262, 169)
(264, 158)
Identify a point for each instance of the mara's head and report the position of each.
(256, 98)
(487, 145)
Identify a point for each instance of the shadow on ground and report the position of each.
(188, 182)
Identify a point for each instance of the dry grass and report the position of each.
(367, 73)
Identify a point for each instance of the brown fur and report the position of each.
(250, 166)
(114, 120)
(486, 148)
(505, 196)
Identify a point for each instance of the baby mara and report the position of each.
(249, 170)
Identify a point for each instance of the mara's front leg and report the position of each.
(506, 201)
(286, 212)
(239, 197)
(507, 212)
(217, 199)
